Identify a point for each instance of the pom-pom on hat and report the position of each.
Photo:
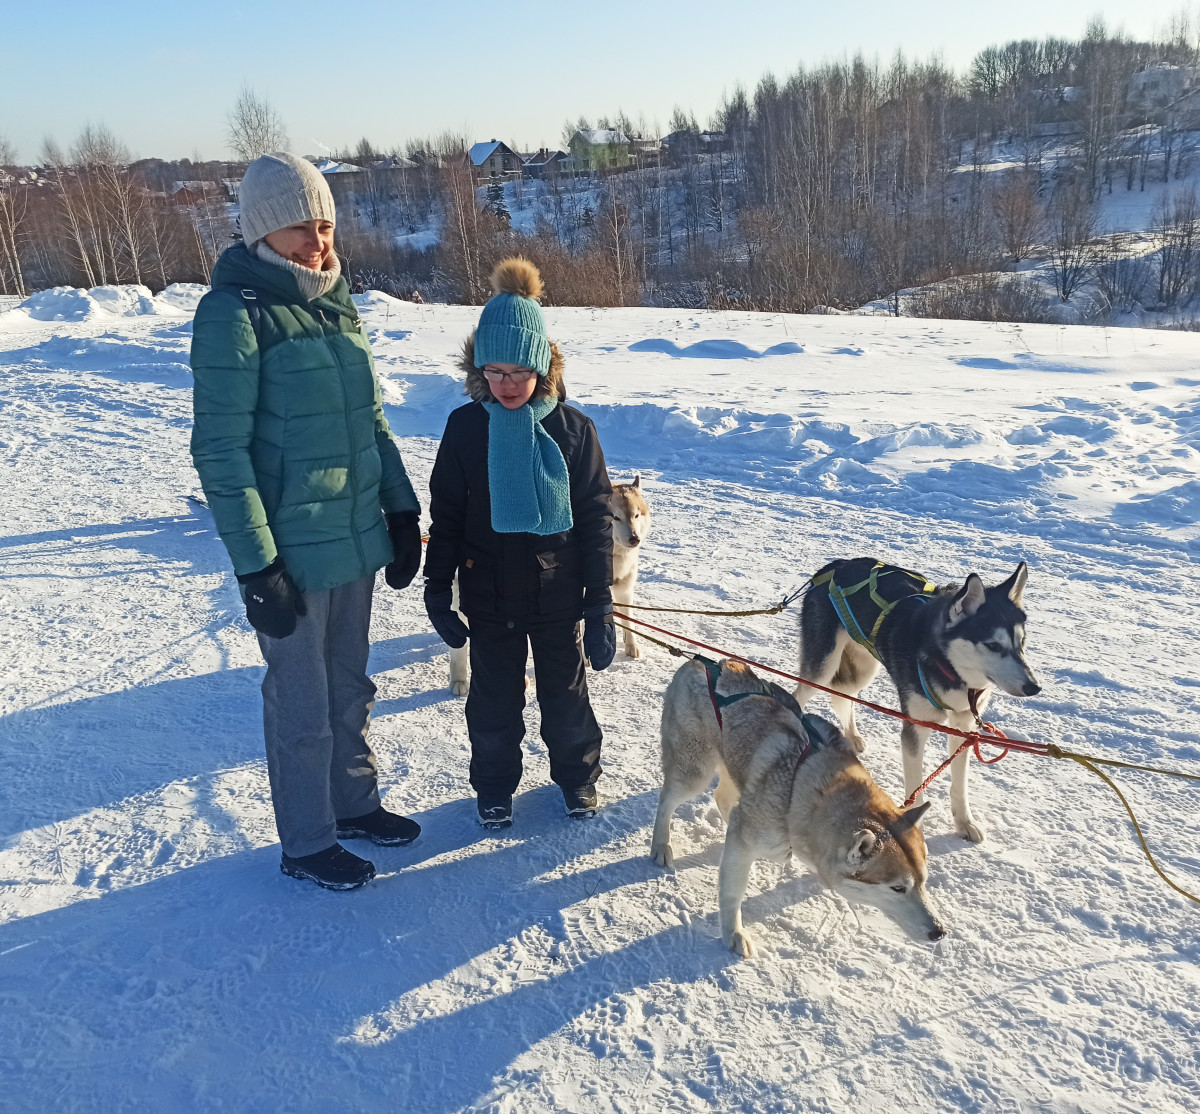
(511, 328)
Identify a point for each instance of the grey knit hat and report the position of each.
(279, 190)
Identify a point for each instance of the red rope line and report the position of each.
(990, 734)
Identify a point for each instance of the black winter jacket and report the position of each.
(519, 576)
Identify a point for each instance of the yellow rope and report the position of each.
(782, 605)
(1089, 763)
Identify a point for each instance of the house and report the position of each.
(494, 161)
(1160, 86)
(332, 166)
(680, 147)
(600, 149)
(184, 194)
(544, 163)
(644, 150)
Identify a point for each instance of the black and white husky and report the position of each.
(946, 649)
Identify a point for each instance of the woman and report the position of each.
(311, 499)
(519, 502)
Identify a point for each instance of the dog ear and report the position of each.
(862, 846)
(1014, 586)
(969, 599)
(637, 482)
(909, 818)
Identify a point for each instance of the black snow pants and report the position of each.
(496, 702)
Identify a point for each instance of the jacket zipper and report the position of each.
(362, 561)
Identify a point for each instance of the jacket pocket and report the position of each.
(476, 580)
(560, 587)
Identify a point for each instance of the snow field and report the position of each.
(152, 957)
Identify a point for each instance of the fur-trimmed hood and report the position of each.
(477, 387)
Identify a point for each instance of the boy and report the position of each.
(519, 506)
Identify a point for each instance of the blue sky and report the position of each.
(163, 75)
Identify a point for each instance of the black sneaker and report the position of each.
(581, 802)
(385, 828)
(335, 868)
(495, 813)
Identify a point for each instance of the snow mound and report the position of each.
(714, 349)
(70, 303)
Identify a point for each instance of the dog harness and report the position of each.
(863, 604)
(712, 671)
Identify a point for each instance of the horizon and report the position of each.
(281, 62)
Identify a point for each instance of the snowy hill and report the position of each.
(153, 958)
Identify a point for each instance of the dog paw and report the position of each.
(663, 855)
(971, 830)
(632, 652)
(741, 944)
(857, 742)
(460, 688)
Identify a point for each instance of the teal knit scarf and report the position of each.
(531, 491)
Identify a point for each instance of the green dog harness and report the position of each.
(712, 670)
(864, 603)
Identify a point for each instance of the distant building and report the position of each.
(184, 194)
(1160, 86)
(600, 149)
(544, 163)
(494, 161)
(332, 166)
(680, 147)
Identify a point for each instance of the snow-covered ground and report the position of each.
(152, 958)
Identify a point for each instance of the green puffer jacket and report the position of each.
(293, 451)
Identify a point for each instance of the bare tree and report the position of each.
(254, 127)
(12, 216)
(69, 192)
(1177, 237)
(1016, 208)
(1072, 226)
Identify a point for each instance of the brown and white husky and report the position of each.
(631, 527)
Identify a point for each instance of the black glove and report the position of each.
(599, 635)
(272, 600)
(404, 529)
(439, 606)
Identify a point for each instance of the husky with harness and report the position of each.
(946, 649)
(789, 784)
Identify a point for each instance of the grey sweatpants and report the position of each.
(317, 701)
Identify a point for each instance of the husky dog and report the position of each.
(631, 527)
(789, 784)
(945, 648)
(460, 659)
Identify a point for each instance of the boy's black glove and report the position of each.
(439, 606)
(272, 600)
(404, 530)
(599, 635)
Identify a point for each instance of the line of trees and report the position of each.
(840, 184)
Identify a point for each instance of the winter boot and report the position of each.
(581, 802)
(495, 812)
(382, 827)
(335, 868)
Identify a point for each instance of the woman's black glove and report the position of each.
(439, 606)
(404, 530)
(272, 600)
(599, 635)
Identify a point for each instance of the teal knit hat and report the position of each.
(511, 328)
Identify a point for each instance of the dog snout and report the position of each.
(1031, 688)
(634, 540)
(937, 932)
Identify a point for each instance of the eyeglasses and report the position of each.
(495, 375)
